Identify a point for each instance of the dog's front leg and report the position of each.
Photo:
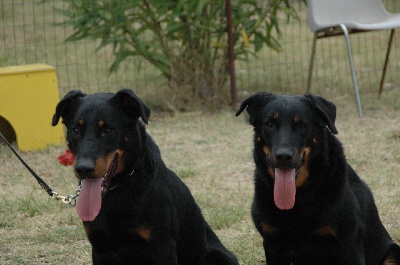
(165, 253)
(94, 258)
(276, 252)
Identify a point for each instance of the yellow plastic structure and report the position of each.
(28, 98)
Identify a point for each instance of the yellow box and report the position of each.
(28, 98)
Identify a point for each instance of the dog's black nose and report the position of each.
(85, 170)
(284, 156)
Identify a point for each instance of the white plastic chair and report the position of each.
(327, 18)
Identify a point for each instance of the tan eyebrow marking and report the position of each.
(297, 118)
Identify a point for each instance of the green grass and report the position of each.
(212, 153)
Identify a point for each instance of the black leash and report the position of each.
(39, 180)
(70, 199)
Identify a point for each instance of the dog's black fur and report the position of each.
(334, 219)
(147, 216)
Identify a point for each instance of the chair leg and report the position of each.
(311, 64)
(386, 61)
(353, 71)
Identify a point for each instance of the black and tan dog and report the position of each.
(134, 209)
(309, 205)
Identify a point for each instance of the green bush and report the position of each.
(185, 39)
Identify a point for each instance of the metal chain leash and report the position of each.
(70, 199)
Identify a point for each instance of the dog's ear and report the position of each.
(253, 104)
(63, 108)
(133, 105)
(325, 110)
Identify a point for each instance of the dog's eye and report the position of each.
(75, 130)
(106, 130)
(269, 125)
(302, 125)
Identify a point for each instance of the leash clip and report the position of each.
(70, 199)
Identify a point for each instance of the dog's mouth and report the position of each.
(106, 180)
(299, 165)
(285, 179)
(92, 192)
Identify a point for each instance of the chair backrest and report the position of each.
(327, 13)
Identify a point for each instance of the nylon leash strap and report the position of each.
(70, 199)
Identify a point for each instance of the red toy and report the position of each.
(66, 159)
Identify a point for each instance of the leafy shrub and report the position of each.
(186, 40)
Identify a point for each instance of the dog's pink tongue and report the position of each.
(89, 201)
(285, 188)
